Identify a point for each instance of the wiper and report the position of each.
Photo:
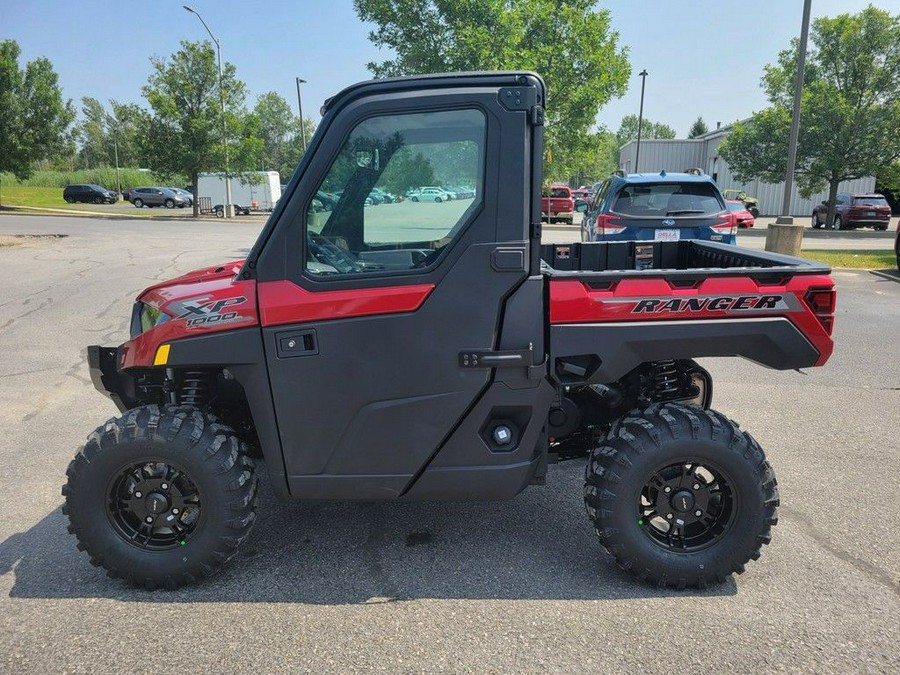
(684, 212)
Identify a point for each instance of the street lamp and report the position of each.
(637, 154)
(229, 208)
(300, 106)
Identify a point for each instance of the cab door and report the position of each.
(368, 308)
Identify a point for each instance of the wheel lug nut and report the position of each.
(164, 486)
(668, 516)
(138, 495)
(667, 489)
(149, 519)
(698, 513)
(696, 486)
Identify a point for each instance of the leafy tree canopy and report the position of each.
(185, 130)
(34, 119)
(628, 129)
(849, 113)
(569, 42)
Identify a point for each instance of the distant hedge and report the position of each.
(104, 176)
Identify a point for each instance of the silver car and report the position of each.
(157, 196)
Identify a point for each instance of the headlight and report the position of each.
(148, 317)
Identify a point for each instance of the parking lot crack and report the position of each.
(874, 572)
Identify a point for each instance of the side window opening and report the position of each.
(402, 188)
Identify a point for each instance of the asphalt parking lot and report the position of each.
(519, 586)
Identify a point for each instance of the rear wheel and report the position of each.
(838, 223)
(680, 496)
(415, 199)
(816, 223)
(138, 203)
(161, 497)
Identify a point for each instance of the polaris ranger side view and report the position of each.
(436, 351)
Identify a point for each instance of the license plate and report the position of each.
(667, 235)
(870, 214)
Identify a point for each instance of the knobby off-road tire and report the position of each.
(176, 466)
(679, 461)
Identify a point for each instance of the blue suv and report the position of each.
(658, 207)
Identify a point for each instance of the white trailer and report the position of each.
(257, 190)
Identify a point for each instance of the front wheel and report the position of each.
(754, 211)
(816, 223)
(170, 204)
(838, 223)
(680, 496)
(161, 497)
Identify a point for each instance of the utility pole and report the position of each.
(637, 154)
(116, 150)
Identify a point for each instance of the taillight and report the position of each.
(822, 303)
(604, 226)
(726, 226)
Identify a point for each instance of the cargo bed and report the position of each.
(686, 259)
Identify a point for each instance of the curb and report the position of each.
(9, 209)
(890, 276)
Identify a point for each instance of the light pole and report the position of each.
(300, 106)
(116, 149)
(229, 208)
(637, 153)
(795, 115)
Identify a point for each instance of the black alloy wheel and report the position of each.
(686, 506)
(154, 505)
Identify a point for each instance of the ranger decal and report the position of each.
(715, 303)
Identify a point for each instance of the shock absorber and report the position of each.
(196, 388)
(666, 381)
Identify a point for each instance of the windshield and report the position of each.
(667, 199)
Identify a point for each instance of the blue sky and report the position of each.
(704, 57)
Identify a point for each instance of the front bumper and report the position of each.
(103, 364)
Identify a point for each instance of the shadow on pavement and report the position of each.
(537, 546)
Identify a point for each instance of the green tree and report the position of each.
(698, 128)
(184, 133)
(569, 42)
(849, 113)
(34, 119)
(628, 129)
(278, 126)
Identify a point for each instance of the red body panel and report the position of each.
(202, 302)
(283, 302)
(630, 300)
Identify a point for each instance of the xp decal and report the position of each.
(203, 311)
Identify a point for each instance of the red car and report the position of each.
(557, 203)
(739, 213)
(855, 210)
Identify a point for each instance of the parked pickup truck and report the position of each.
(441, 354)
(558, 203)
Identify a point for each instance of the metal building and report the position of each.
(703, 153)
